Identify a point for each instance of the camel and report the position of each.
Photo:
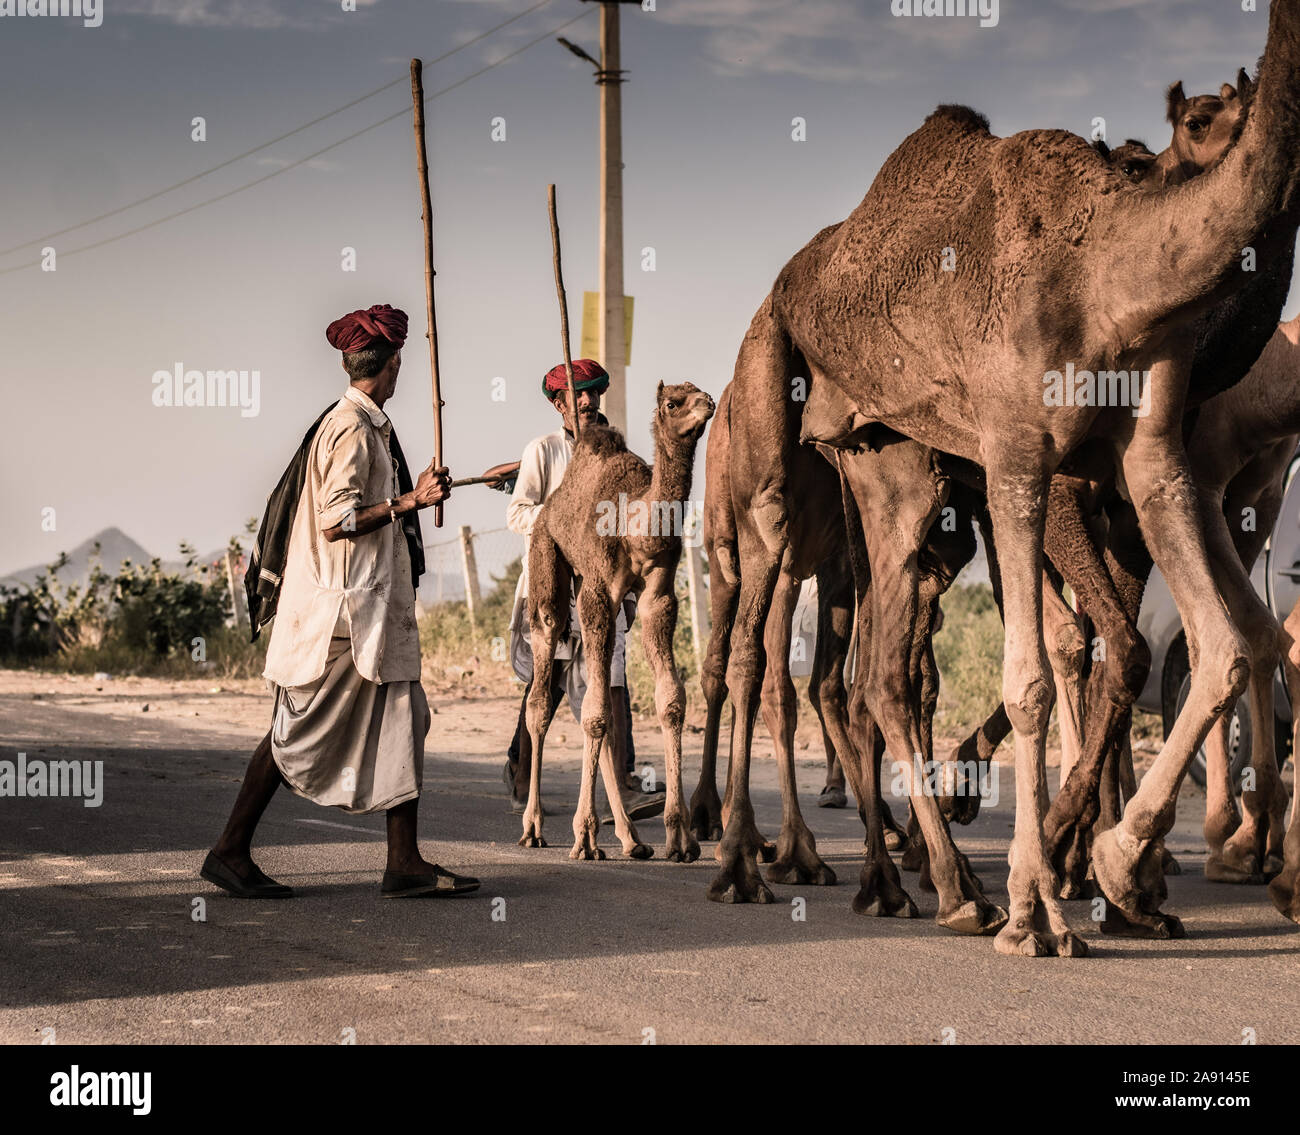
(816, 539)
(615, 526)
(1058, 258)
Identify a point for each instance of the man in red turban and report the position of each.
(380, 326)
(350, 713)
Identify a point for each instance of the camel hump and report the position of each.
(964, 117)
(600, 441)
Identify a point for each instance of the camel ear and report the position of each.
(659, 394)
(1175, 100)
(1227, 92)
(1245, 88)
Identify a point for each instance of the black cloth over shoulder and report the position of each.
(265, 572)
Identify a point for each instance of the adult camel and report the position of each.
(1054, 264)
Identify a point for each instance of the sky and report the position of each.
(99, 117)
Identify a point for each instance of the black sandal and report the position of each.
(440, 884)
(257, 885)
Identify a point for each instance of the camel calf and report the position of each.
(604, 528)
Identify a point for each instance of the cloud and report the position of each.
(251, 15)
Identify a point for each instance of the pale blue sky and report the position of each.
(96, 117)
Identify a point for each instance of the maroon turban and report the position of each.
(586, 374)
(361, 330)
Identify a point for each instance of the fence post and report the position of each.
(472, 596)
(697, 593)
(237, 599)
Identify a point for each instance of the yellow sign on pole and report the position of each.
(591, 327)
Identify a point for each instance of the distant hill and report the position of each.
(114, 547)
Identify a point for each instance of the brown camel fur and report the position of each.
(615, 525)
(1058, 257)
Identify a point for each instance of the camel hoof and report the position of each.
(1247, 873)
(1025, 942)
(688, 854)
(974, 917)
(706, 820)
(581, 851)
(1169, 865)
(1072, 890)
(1155, 927)
(793, 873)
(1273, 866)
(880, 893)
(915, 855)
(638, 851)
(1284, 893)
(532, 841)
(723, 889)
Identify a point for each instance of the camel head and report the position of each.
(681, 411)
(1132, 159)
(1205, 127)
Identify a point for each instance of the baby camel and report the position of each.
(614, 526)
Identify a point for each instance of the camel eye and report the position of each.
(1196, 125)
(672, 404)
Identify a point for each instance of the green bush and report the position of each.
(968, 651)
(144, 619)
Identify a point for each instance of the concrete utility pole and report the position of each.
(609, 77)
(613, 349)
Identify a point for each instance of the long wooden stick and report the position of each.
(564, 310)
(422, 166)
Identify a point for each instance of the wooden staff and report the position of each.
(564, 310)
(422, 166)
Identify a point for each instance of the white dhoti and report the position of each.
(348, 743)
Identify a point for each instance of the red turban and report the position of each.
(586, 374)
(361, 330)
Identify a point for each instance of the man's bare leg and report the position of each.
(406, 866)
(261, 779)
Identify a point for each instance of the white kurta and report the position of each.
(344, 657)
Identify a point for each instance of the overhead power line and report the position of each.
(257, 149)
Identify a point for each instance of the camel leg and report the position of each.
(880, 890)
(1116, 679)
(738, 879)
(826, 690)
(896, 515)
(550, 583)
(657, 608)
(1127, 858)
(596, 612)
(1018, 505)
(797, 860)
(1284, 890)
(724, 587)
(1221, 815)
(1063, 638)
(1253, 851)
(869, 751)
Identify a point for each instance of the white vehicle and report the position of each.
(1277, 580)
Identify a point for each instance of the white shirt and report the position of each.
(541, 469)
(358, 586)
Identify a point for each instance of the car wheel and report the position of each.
(1238, 738)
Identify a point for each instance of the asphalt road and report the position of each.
(98, 942)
